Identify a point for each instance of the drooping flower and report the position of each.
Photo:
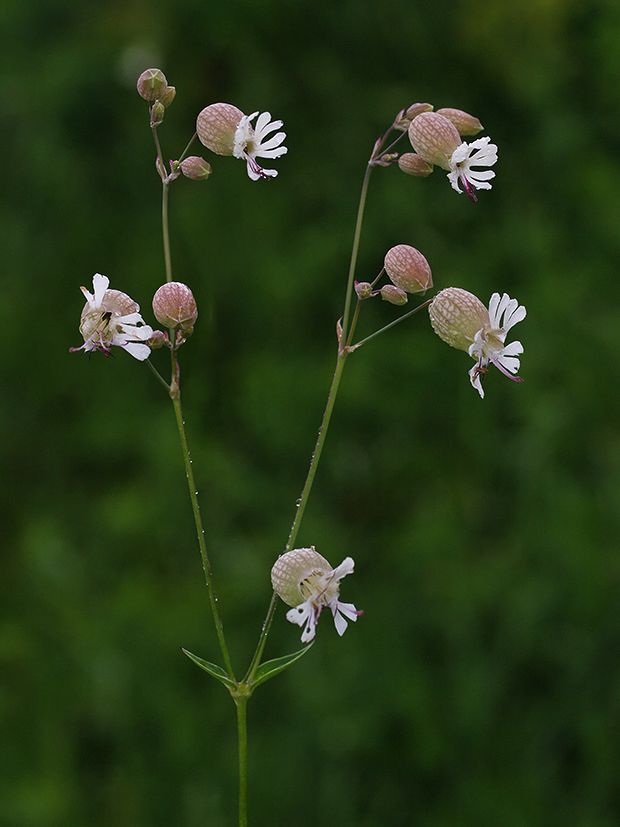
(224, 129)
(305, 580)
(460, 319)
(437, 141)
(250, 143)
(112, 318)
(464, 159)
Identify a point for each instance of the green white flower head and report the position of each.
(460, 319)
(305, 580)
(112, 318)
(225, 130)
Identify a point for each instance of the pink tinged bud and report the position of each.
(196, 168)
(174, 306)
(434, 138)
(466, 124)
(216, 126)
(414, 164)
(394, 295)
(417, 109)
(456, 316)
(151, 84)
(405, 117)
(408, 269)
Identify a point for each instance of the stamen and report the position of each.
(507, 373)
(255, 167)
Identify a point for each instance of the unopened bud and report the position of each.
(196, 168)
(168, 96)
(408, 269)
(157, 340)
(363, 289)
(414, 164)
(466, 124)
(456, 316)
(394, 295)
(152, 84)
(409, 114)
(216, 126)
(417, 109)
(157, 113)
(434, 138)
(174, 306)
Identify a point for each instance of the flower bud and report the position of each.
(394, 295)
(152, 84)
(465, 124)
(408, 269)
(408, 115)
(434, 138)
(413, 164)
(168, 96)
(216, 126)
(363, 289)
(456, 316)
(174, 306)
(196, 168)
(157, 113)
(157, 340)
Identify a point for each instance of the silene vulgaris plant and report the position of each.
(302, 577)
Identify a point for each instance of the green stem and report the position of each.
(391, 324)
(241, 702)
(354, 251)
(189, 473)
(343, 352)
(165, 231)
(301, 503)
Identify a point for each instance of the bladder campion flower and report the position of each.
(436, 140)
(461, 320)
(225, 130)
(305, 580)
(111, 318)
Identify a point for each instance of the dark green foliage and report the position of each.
(481, 686)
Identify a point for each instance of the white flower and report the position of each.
(249, 143)
(111, 318)
(480, 153)
(488, 345)
(305, 580)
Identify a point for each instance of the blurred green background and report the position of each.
(482, 685)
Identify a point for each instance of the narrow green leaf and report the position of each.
(272, 667)
(212, 669)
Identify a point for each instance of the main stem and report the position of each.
(241, 703)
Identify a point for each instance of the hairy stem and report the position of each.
(193, 495)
